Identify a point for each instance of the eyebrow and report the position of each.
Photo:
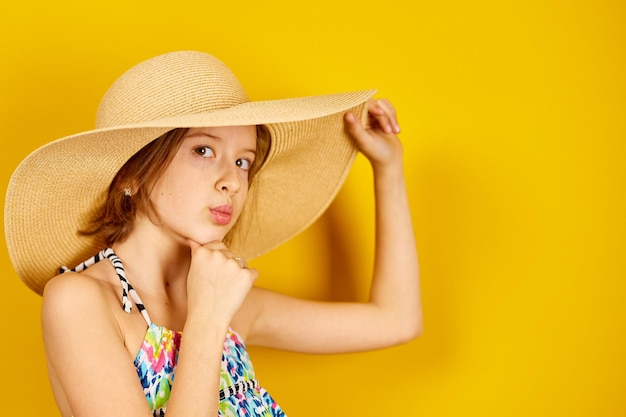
(219, 138)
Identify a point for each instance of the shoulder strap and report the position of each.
(127, 288)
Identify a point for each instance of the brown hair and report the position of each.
(129, 192)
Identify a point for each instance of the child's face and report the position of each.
(202, 192)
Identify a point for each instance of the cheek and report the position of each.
(173, 192)
(242, 196)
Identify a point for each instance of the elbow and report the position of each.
(414, 329)
(418, 330)
(410, 330)
(400, 326)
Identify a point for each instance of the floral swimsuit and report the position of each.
(240, 393)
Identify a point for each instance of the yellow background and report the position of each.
(513, 117)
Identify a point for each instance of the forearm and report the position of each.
(196, 388)
(395, 286)
(216, 288)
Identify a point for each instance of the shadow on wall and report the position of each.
(450, 201)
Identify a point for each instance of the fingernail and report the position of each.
(350, 117)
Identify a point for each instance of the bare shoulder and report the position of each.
(74, 299)
(84, 343)
(71, 287)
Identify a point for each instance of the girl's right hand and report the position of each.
(217, 285)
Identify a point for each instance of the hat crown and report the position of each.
(172, 84)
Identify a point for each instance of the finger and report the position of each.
(393, 115)
(359, 133)
(386, 106)
(379, 120)
(193, 245)
(241, 262)
(386, 116)
(218, 246)
(374, 107)
(355, 127)
(253, 274)
(215, 244)
(214, 247)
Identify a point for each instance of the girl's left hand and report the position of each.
(378, 140)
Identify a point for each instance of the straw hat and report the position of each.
(56, 190)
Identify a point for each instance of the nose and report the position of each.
(228, 180)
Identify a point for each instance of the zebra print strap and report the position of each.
(238, 388)
(84, 265)
(127, 288)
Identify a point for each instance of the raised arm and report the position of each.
(393, 314)
(395, 287)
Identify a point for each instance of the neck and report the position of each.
(153, 265)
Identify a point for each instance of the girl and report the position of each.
(182, 180)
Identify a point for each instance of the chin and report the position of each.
(207, 234)
(204, 239)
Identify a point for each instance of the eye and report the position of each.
(204, 151)
(244, 164)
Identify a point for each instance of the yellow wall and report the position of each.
(513, 117)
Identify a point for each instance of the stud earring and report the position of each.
(128, 192)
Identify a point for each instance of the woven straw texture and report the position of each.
(55, 191)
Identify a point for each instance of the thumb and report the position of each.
(193, 245)
(356, 129)
(363, 137)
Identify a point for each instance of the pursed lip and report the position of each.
(222, 214)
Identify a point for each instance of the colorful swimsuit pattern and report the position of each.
(240, 393)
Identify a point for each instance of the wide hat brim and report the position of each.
(55, 191)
